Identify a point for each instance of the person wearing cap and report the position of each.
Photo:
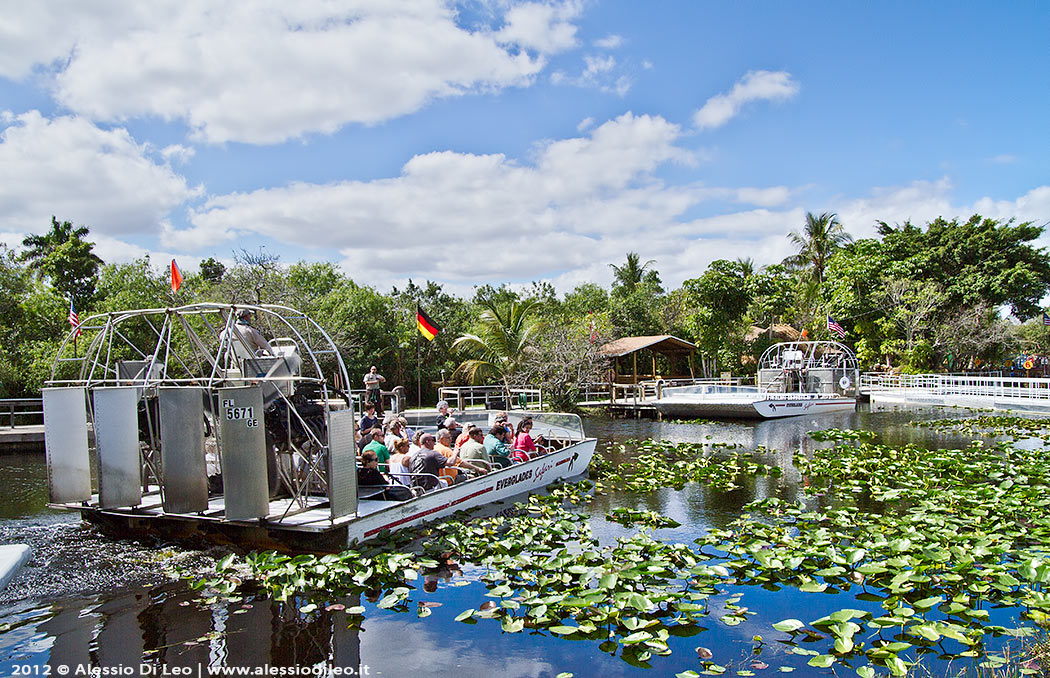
(373, 388)
(247, 338)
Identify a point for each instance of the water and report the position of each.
(90, 602)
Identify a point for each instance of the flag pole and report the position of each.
(419, 379)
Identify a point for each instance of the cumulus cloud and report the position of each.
(577, 197)
(609, 42)
(544, 27)
(268, 71)
(754, 86)
(70, 168)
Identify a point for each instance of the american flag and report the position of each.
(1046, 318)
(74, 319)
(835, 327)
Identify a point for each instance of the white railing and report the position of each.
(961, 385)
(488, 397)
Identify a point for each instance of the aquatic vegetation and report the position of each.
(841, 434)
(628, 517)
(1013, 427)
(657, 464)
(928, 542)
(947, 536)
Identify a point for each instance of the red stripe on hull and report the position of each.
(428, 512)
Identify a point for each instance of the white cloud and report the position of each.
(72, 169)
(269, 71)
(754, 86)
(544, 27)
(1003, 159)
(612, 41)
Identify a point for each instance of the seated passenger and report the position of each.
(369, 476)
(455, 462)
(401, 463)
(369, 420)
(377, 445)
(523, 440)
(442, 414)
(496, 445)
(429, 462)
(474, 448)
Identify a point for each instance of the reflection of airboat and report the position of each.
(798, 377)
(194, 432)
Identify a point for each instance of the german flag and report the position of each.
(427, 327)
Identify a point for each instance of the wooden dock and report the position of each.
(22, 438)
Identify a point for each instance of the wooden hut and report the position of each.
(628, 354)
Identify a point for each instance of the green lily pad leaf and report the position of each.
(356, 609)
(388, 601)
(927, 603)
(562, 630)
(813, 587)
(466, 614)
(866, 671)
(896, 666)
(513, 624)
(788, 625)
(786, 669)
(687, 674)
(822, 661)
(636, 637)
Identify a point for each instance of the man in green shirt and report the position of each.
(377, 446)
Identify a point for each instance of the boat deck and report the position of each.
(283, 513)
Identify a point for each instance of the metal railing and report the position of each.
(646, 390)
(961, 385)
(21, 412)
(492, 397)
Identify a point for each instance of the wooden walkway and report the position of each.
(22, 438)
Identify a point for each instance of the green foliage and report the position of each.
(817, 242)
(502, 338)
(64, 258)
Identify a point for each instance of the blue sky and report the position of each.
(496, 141)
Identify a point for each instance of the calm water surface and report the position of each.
(92, 602)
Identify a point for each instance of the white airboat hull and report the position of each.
(488, 489)
(712, 406)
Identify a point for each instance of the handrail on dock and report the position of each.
(15, 409)
(1029, 388)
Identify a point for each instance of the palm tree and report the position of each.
(818, 241)
(504, 336)
(631, 274)
(65, 257)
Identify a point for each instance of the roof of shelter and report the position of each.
(780, 332)
(659, 343)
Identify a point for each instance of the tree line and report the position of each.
(946, 295)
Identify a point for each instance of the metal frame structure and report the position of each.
(196, 346)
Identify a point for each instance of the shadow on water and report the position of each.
(89, 601)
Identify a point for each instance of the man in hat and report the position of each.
(247, 339)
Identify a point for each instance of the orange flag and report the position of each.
(176, 277)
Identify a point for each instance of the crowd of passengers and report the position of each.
(404, 462)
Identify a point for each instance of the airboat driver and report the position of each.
(373, 389)
(247, 339)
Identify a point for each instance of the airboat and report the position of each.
(168, 423)
(794, 378)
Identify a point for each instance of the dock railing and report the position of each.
(959, 385)
(21, 412)
(493, 397)
(605, 393)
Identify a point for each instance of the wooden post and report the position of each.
(635, 357)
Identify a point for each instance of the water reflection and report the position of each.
(89, 601)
